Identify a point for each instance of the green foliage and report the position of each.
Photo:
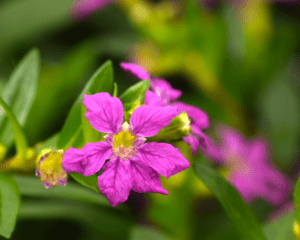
(19, 93)
(9, 204)
(237, 210)
(89, 181)
(101, 81)
(134, 93)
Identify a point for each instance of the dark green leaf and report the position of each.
(10, 203)
(237, 210)
(134, 93)
(101, 81)
(100, 223)
(90, 181)
(19, 93)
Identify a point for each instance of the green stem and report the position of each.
(21, 141)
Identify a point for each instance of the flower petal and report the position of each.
(144, 178)
(86, 161)
(115, 181)
(84, 7)
(164, 89)
(104, 113)
(152, 99)
(198, 117)
(146, 121)
(136, 70)
(193, 142)
(163, 158)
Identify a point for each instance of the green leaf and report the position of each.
(21, 141)
(134, 93)
(101, 81)
(10, 204)
(138, 233)
(30, 186)
(89, 133)
(19, 93)
(280, 229)
(237, 210)
(90, 181)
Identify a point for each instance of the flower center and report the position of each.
(123, 143)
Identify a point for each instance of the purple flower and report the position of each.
(82, 8)
(133, 163)
(162, 94)
(249, 170)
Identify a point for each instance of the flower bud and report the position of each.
(178, 128)
(49, 169)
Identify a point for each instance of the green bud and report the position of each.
(178, 128)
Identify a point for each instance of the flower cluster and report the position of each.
(161, 93)
(249, 170)
(133, 163)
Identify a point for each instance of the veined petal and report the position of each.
(136, 70)
(164, 89)
(199, 117)
(115, 181)
(145, 179)
(163, 158)
(152, 99)
(146, 121)
(104, 112)
(86, 161)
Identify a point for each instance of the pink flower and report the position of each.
(249, 170)
(162, 94)
(133, 163)
(82, 8)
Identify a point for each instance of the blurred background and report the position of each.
(236, 60)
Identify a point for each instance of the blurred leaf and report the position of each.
(10, 203)
(19, 93)
(21, 142)
(134, 93)
(89, 181)
(280, 229)
(30, 186)
(138, 233)
(280, 114)
(99, 222)
(26, 28)
(58, 87)
(101, 81)
(237, 210)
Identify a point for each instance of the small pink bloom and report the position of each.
(133, 163)
(82, 8)
(249, 169)
(162, 94)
